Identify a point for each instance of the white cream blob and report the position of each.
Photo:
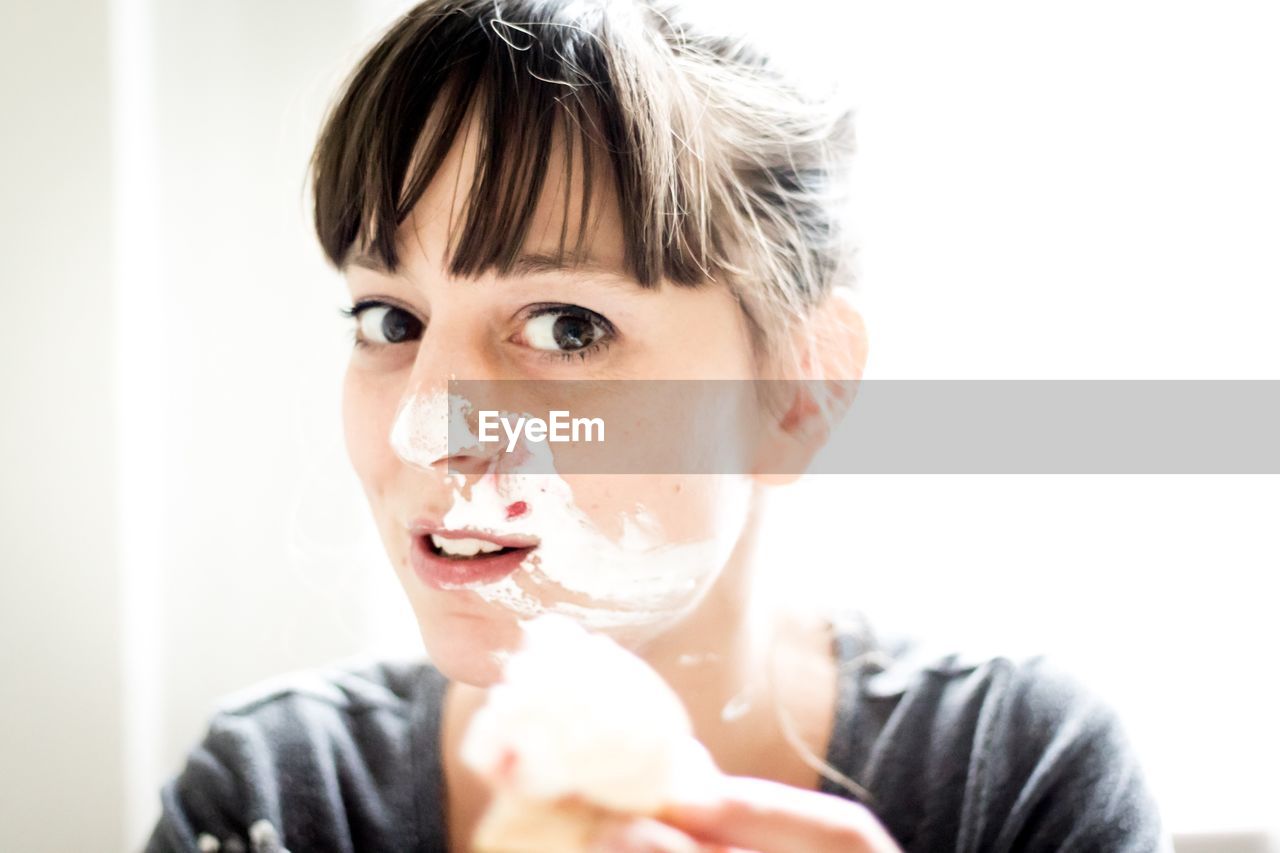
(567, 698)
(640, 578)
(429, 428)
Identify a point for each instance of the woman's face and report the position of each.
(630, 554)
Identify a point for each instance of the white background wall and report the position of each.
(1083, 191)
(58, 624)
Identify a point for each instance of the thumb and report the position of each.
(644, 835)
(771, 818)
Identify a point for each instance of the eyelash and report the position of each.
(586, 352)
(353, 314)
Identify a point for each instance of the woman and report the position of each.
(571, 190)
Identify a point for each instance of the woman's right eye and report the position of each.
(382, 324)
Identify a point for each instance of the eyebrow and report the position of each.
(527, 264)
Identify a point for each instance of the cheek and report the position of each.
(683, 508)
(706, 507)
(368, 408)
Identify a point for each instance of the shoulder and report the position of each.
(928, 686)
(1000, 751)
(1007, 695)
(350, 686)
(306, 719)
(939, 685)
(312, 757)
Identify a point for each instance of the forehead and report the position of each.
(559, 235)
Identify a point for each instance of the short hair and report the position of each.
(724, 168)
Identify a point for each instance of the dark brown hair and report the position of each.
(722, 168)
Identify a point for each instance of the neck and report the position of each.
(716, 657)
(735, 658)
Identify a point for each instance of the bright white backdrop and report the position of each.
(1088, 190)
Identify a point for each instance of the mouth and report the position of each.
(448, 559)
(466, 548)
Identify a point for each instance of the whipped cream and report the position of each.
(577, 715)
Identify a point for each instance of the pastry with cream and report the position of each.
(578, 729)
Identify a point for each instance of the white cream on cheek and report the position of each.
(640, 578)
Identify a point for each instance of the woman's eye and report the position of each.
(379, 324)
(565, 329)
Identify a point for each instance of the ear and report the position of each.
(822, 386)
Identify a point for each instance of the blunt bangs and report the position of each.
(539, 75)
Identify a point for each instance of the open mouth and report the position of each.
(447, 559)
(466, 549)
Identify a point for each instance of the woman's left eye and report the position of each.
(565, 330)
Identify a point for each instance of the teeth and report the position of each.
(464, 547)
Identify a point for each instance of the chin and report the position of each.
(469, 647)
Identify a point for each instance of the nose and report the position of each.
(432, 429)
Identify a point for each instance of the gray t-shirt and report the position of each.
(993, 754)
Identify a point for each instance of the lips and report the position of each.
(447, 559)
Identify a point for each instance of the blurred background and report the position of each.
(1085, 190)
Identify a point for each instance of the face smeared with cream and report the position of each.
(536, 550)
(480, 539)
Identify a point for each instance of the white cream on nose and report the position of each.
(430, 427)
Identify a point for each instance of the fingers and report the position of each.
(645, 835)
(770, 817)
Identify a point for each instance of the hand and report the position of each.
(753, 815)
